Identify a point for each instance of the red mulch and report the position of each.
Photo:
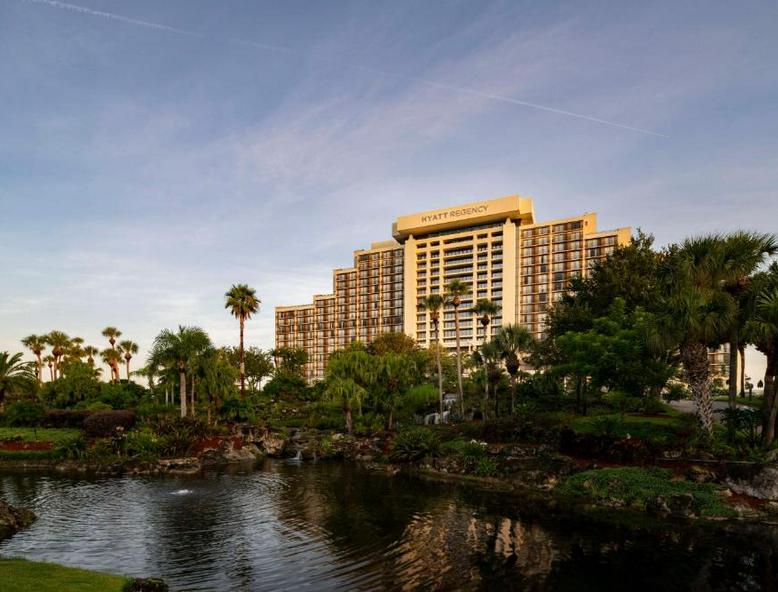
(16, 445)
(212, 443)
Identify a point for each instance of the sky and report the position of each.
(154, 153)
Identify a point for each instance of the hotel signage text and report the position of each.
(453, 214)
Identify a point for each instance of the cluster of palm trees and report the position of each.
(507, 348)
(63, 350)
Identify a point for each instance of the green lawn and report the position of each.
(55, 435)
(18, 575)
(656, 428)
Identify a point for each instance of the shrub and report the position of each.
(65, 418)
(675, 392)
(94, 406)
(103, 424)
(25, 413)
(415, 443)
(236, 409)
(72, 449)
(121, 395)
(485, 467)
(143, 443)
(177, 435)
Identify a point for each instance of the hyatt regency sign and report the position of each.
(453, 214)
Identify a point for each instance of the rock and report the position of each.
(273, 444)
(228, 453)
(763, 485)
(772, 456)
(700, 474)
(678, 505)
(771, 508)
(146, 585)
(14, 519)
(180, 466)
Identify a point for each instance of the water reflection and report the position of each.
(328, 526)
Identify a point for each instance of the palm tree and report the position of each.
(697, 313)
(112, 358)
(513, 341)
(16, 376)
(75, 351)
(90, 351)
(177, 350)
(242, 302)
(128, 348)
(36, 344)
(112, 333)
(59, 343)
(454, 292)
(432, 304)
(763, 331)
(489, 356)
(49, 361)
(396, 373)
(741, 254)
(486, 310)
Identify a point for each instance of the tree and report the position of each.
(113, 334)
(90, 351)
(242, 302)
(16, 376)
(741, 254)
(59, 343)
(291, 360)
(398, 343)
(127, 348)
(216, 379)
(177, 350)
(36, 344)
(395, 373)
(433, 303)
(696, 313)
(513, 341)
(349, 373)
(112, 358)
(258, 364)
(454, 292)
(489, 357)
(485, 309)
(49, 361)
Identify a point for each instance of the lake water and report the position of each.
(333, 527)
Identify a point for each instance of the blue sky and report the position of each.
(153, 153)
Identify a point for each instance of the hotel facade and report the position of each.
(496, 247)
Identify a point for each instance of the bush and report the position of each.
(236, 409)
(72, 449)
(24, 413)
(65, 418)
(103, 424)
(177, 435)
(94, 406)
(142, 443)
(121, 395)
(413, 444)
(485, 467)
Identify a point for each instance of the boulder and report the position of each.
(14, 519)
(679, 505)
(228, 453)
(180, 466)
(763, 485)
(700, 474)
(272, 443)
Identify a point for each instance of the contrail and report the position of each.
(291, 51)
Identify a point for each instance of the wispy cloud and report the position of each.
(377, 71)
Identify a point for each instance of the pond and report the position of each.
(328, 526)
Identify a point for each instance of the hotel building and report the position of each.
(495, 247)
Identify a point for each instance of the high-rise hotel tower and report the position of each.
(495, 247)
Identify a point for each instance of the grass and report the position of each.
(635, 486)
(661, 429)
(19, 575)
(53, 435)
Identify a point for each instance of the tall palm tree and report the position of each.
(486, 310)
(741, 255)
(113, 334)
(513, 341)
(49, 361)
(36, 344)
(90, 351)
(59, 343)
(75, 350)
(16, 376)
(433, 304)
(177, 350)
(489, 356)
(697, 313)
(454, 292)
(128, 348)
(242, 302)
(112, 358)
